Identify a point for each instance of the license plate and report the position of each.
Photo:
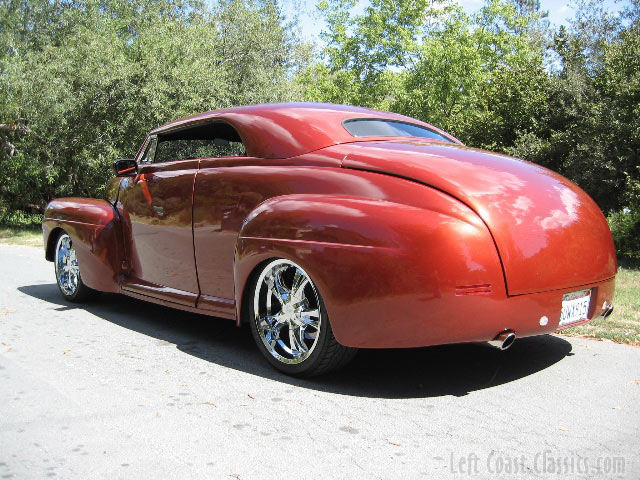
(575, 307)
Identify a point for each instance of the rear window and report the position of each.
(373, 127)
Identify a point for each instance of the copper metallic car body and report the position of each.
(411, 242)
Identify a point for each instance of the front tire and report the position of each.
(67, 271)
(289, 322)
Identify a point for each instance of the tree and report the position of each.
(82, 82)
(589, 130)
(431, 60)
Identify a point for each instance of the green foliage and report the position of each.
(20, 220)
(625, 227)
(82, 82)
(432, 61)
(589, 130)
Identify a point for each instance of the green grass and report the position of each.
(623, 325)
(21, 236)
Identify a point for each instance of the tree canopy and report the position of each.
(82, 81)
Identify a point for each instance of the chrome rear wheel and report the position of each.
(287, 312)
(289, 321)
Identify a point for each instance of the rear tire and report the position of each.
(67, 270)
(289, 322)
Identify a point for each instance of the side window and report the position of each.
(213, 139)
(150, 151)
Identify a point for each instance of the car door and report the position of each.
(218, 217)
(156, 210)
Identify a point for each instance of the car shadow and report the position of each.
(389, 373)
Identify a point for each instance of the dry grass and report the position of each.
(623, 325)
(21, 236)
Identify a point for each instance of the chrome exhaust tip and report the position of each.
(607, 311)
(504, 340)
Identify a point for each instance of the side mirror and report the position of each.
(125, 167)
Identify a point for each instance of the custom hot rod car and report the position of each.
(329, 228)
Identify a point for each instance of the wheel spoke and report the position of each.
(269, 296)
(310, 313)
(300, 280)
(281, 292)
(310, 318)
(297, 346)
(270, 338)
(271, 321)
(276, 288)
(264, 322)
(300, 338)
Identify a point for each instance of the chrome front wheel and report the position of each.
(68, 271)
(290, 323)
(66, 265)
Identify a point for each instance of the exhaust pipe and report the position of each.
(504, 340)
(608, 310)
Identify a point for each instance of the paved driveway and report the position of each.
(124, 389)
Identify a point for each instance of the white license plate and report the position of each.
(575, 307)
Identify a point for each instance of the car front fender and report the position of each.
(94, 228)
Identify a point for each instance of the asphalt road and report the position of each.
(123, 389)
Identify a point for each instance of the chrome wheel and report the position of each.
(287, 312)
(66, 265)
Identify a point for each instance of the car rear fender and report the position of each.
(550, 234)
(373, 261)
(94, 228)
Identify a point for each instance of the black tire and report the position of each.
(326, 354)
(73, 291)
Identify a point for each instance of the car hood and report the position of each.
(549, 233)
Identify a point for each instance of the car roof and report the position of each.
(283, 130)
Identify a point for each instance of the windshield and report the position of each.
(373, 127)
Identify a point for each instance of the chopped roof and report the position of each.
(283, 130)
